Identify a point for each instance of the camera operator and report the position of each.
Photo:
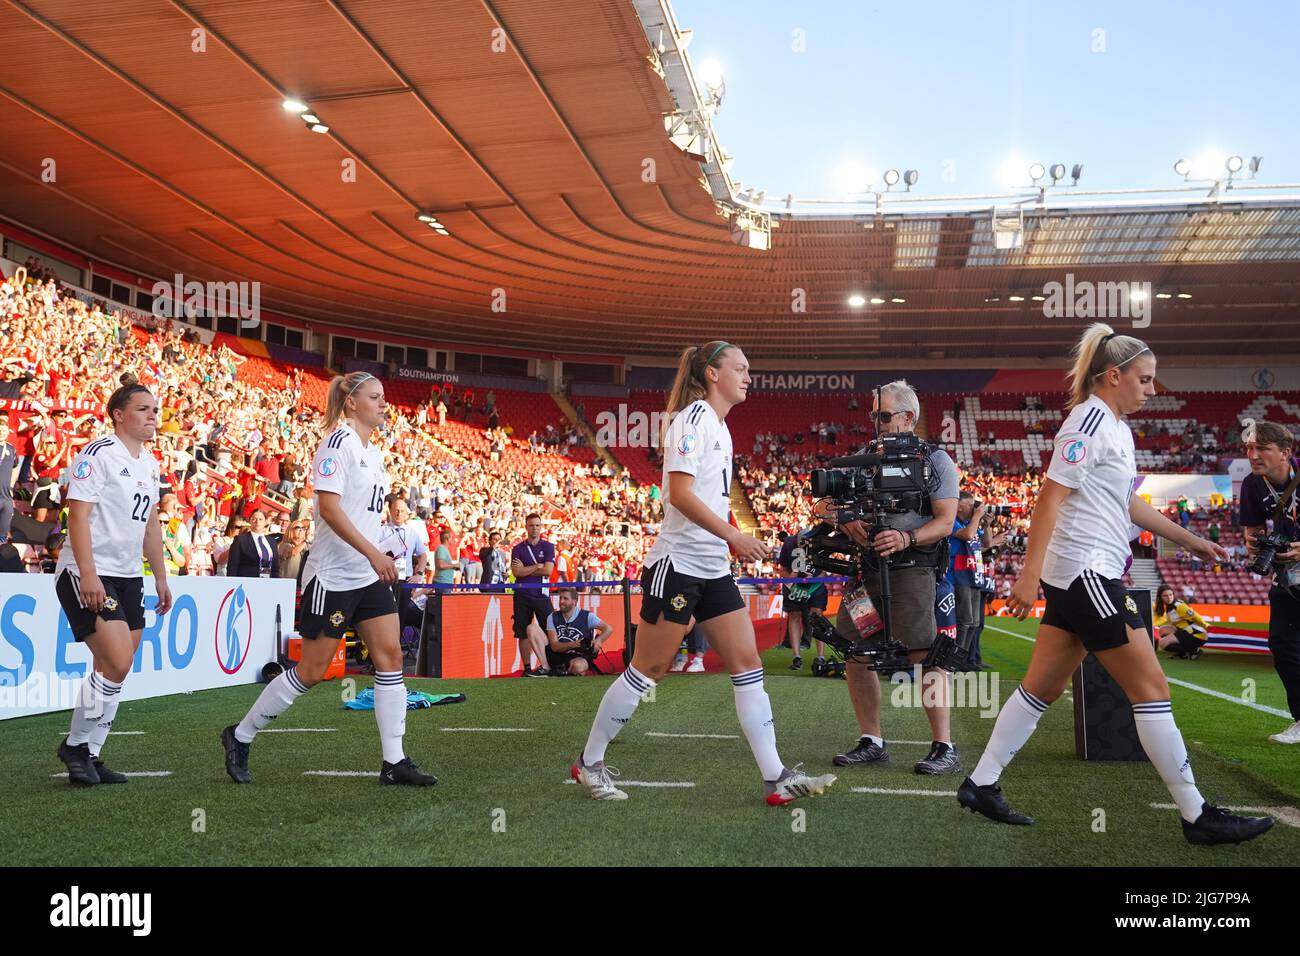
(1273, 483)
(971, 535)
(912, 548)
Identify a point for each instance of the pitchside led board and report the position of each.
(477, 630)
(1103, 717)
(219, 633)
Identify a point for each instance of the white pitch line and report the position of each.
(685, 784)
(904, 793)
(111, 733)
(1228, 697)
(298, 730)
(339, 773)
(1288, 815)
(138, 773)
(1264, 708)
(1003, 630)
(656, 733)
(489, 730)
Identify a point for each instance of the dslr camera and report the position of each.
(1266, 548)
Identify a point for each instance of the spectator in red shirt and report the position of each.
(267, 464)
(471, 567)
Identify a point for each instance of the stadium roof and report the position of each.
(525, 128)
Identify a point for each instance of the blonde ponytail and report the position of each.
(691, 385)
(341, 388)
(1098, 350)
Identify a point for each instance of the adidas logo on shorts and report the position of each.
(126, 472)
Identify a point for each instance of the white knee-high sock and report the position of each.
(754, 708)
(273, 702)
(1015, 725)
(1165, 749)
(390, 713)
(616, 709)
(96, 691)
(100, 733)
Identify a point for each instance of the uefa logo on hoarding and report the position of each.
(233, 636)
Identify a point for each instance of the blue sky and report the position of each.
(955, 89)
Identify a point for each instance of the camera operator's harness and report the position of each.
(875, 488)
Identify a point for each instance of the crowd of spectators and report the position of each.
(235, 453)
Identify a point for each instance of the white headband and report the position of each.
(1125, 362)
(367, 377)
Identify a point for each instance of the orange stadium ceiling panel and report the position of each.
(170, 159)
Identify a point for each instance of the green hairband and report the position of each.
(721, 346)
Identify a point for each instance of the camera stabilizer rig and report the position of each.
(891, 480)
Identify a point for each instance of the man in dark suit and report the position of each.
(253, 554)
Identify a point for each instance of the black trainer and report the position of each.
(106, 775)
(236, 756)
(1215, 826)
(796, 664)
(405, 772)
(943, 758)
(81, 766)
(866, 752)
(989, 801)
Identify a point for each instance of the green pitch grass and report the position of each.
(502, 798)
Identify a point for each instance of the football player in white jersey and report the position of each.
(687, 577)
(1078, 549)
(99, 578)
(347, 582)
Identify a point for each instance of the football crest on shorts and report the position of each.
(337, 618)
(1131, 605)
(110, 604)
(678, 602)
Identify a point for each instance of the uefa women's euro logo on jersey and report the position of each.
(687, 444)
(327, 467)
(233, 636)
(82, 471)
(1075, 452)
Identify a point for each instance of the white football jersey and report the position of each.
(1094, 456)
(353, 469)
(124, 491)
(697, 444)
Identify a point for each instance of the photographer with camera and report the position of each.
(1269, 494)
(913, 544)
(574, 635)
